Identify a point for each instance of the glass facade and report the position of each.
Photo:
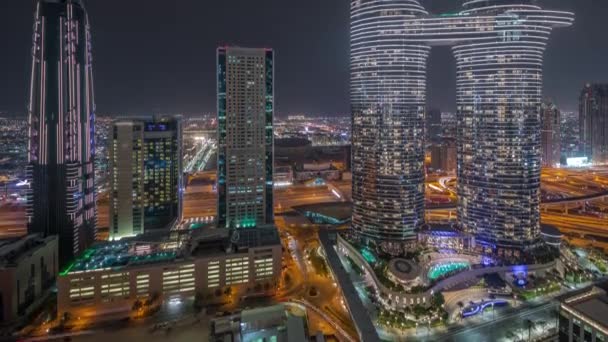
(499, 47)
(551, 149)
(61, 146)
(245, 135)
(145, 175)
(499, 94)
(593, 111)
(388, 94)
(162, 172)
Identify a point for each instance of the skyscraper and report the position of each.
(499, 62)
(126, 179)
(145, 175)
(245, 91)
(550, 135)
(499, 47)
(388, 94)
(593, 120)
(434, 126)
(61, 197)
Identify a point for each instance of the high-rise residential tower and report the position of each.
(388, 94)
(499, 62)
(245, 94)
(551, 147)
(499, 49)
(61, 146)
(593, 121)
(145, 175)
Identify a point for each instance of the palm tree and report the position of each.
(529, 325)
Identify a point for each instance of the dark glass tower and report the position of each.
(61, 198)
(593, 120)
(245, 94)
(551, 134)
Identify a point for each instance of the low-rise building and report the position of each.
(283, 176)
(273, 323)
(109, 279)
(28, 267)
(583, 315)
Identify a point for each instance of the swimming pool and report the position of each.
(440, 270)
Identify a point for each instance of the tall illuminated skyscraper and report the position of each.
(593, 120)
(145, 175)
(245, 91)
(61, 146)
(499, 60)
(551, 147)
(499, 47)
(388, 94)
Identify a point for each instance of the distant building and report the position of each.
(110, 278)
(61, 146)
(28, 267)
(269, 324)
(550, 135)
(593, 121)
(310, 171)
(283, 176)
(245, 95)
(582, 315)
(145, 175)
(434, 125)
(443, 156)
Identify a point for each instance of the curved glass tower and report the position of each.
(499, 95)
(388, 85)
(61, 198)
(499, 48)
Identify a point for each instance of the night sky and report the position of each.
(158, 56)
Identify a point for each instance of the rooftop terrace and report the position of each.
(115, 255)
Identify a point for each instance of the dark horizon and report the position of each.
(161, 59)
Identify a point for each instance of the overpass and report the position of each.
(550, 203)
(363, 322)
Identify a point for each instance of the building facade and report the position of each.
(434, 127)
(498, 119)
(551, 147)
(582, 315)
(245, 94)
(212, 264)
(61, 146)
(388, 94)
(443, 156)
(28, 267)
(593, 121)
(145, 175)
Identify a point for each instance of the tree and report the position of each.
(437, 300)
(529, 325)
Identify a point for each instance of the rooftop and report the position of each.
(592, 303)
(155, 248)
(118, 254)
(337, 210)
(11, 250)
